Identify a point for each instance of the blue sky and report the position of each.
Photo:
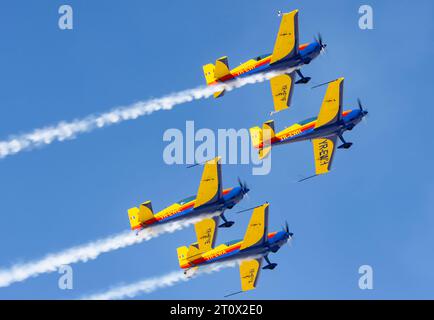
(375, 208)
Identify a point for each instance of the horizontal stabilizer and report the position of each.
(141, 216)
(221, 68)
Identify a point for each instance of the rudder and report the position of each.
(208, 71)
(182, 256)
(256, 136)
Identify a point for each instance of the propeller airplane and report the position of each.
(323, 131)
(211, 199)
(287, 54)
(256, 245)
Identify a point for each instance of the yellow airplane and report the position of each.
(287, 54)
(211, 199)
(256, 244)
(323, 131)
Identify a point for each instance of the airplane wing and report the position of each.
(210, 188)
(331, 108)
(324, 149)
(257, 229)
(286, 45)
(281, 88)
(206, 233)
(249, 272)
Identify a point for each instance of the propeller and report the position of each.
(363, 111)
(319, 39)
(286, 229)
(244, 187)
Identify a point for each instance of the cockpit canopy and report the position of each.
(186, 200)
(262, 56)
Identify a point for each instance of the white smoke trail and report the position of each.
(86, 252)
(152, 284)
(68, 130)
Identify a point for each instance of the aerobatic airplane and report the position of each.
(323, 131)
(211, 199)
(256, 244)
(287, 54)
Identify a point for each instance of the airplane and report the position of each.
(323, 131)
(255, 246)
(211, 199)
(287, 53)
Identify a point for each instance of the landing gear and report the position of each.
(344, 145)
(226, 224)
(269, 266)
(303, 79)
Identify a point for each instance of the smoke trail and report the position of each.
(84, 253)
(68, 130)
(150, 285)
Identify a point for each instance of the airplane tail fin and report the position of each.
(262, 138)
(215, 72)
(256, 136)
(208, 71)
(141, 216)
(182, 256)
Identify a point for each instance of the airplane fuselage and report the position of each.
(185, 208)
(307, 52)
(305, 130)
(232, 250)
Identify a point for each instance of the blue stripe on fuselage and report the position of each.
(232, 196)
(353, 114)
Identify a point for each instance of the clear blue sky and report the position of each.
(375, 208)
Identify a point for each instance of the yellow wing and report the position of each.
(286, 44)
(210, 188)
(206, 233)
(249, 271)
(323, 149)
(331, 108)
(257, 229)
(281, 89)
